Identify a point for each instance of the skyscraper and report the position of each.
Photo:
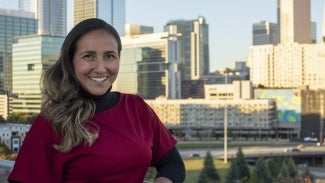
(149, 66)
(12, 23)
(51, 15)
(265, 33)
(323, 26)
(194, 40)
(112, 11)
(294, 19)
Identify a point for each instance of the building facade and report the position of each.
(246, 118)
(194, 40)
(51, 15)
(32, 55)
(148, 66)
(287, 65)
(13, 135)
(313, 114)
(294, 19)
(265, 33)
(12, 23)
(112, 11)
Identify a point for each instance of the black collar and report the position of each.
(103, 102)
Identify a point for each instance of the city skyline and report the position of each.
(225, 34)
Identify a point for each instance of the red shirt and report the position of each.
(131, 138)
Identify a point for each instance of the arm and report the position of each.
(170, 168)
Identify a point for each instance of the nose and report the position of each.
(99, 65)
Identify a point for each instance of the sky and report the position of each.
(230, 21)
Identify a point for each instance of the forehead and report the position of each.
(97, 37)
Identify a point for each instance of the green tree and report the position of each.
(273, 165)
(2, 119)
(232, 174)
(262, 173)
(209, 173)
(253, 178)
(283, 176)
(292, 168)
(241, 166)
(239, 170)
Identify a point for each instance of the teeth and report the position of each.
(98, 79)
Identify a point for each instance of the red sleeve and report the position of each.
(36, 162)
(163, 141)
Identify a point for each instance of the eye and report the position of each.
(88, 56)
(110, 56)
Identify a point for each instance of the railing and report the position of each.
(6, 166)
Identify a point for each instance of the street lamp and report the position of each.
(225, 122)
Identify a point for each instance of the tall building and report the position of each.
(323, 24)
(287, 65)
(12, 23)
(294, 19)
(135, 29)
(194, 40)
(51, 15)
(112, 11)
(32, 55)
(265, 33)
(149, 66)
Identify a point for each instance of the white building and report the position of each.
(247, 116)
(4, 103)
(294, 21)
(287, 65)
(13, 135)
(32, 55)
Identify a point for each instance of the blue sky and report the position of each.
(230, 21)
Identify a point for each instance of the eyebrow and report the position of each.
(93, 52)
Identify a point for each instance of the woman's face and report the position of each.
(96, 61)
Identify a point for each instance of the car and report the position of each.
(295, 150)
(291, 150)
(192, 155)
(300, 146)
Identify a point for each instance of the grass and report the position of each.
(193, 168)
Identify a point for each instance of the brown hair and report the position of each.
(64, 107)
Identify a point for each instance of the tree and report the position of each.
(2, 119)
(283, 176)
(239, 170)
(291, 166)
(209, 173)
(262, 173)
(232, 174)
(241, 165)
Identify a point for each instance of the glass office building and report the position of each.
(148, 66)
(112, 11)
(12, 23)
(51, 15)
(32, 55)
(194, 40)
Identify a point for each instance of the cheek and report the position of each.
(115, 68)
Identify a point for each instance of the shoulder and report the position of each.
(131, 98)
(41, 129)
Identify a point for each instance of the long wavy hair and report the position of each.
(67, 110)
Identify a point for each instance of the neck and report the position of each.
(103, 102)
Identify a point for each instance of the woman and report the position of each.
(85, 132)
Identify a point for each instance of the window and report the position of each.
(30, 67)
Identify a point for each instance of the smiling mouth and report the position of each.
(99, 79)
